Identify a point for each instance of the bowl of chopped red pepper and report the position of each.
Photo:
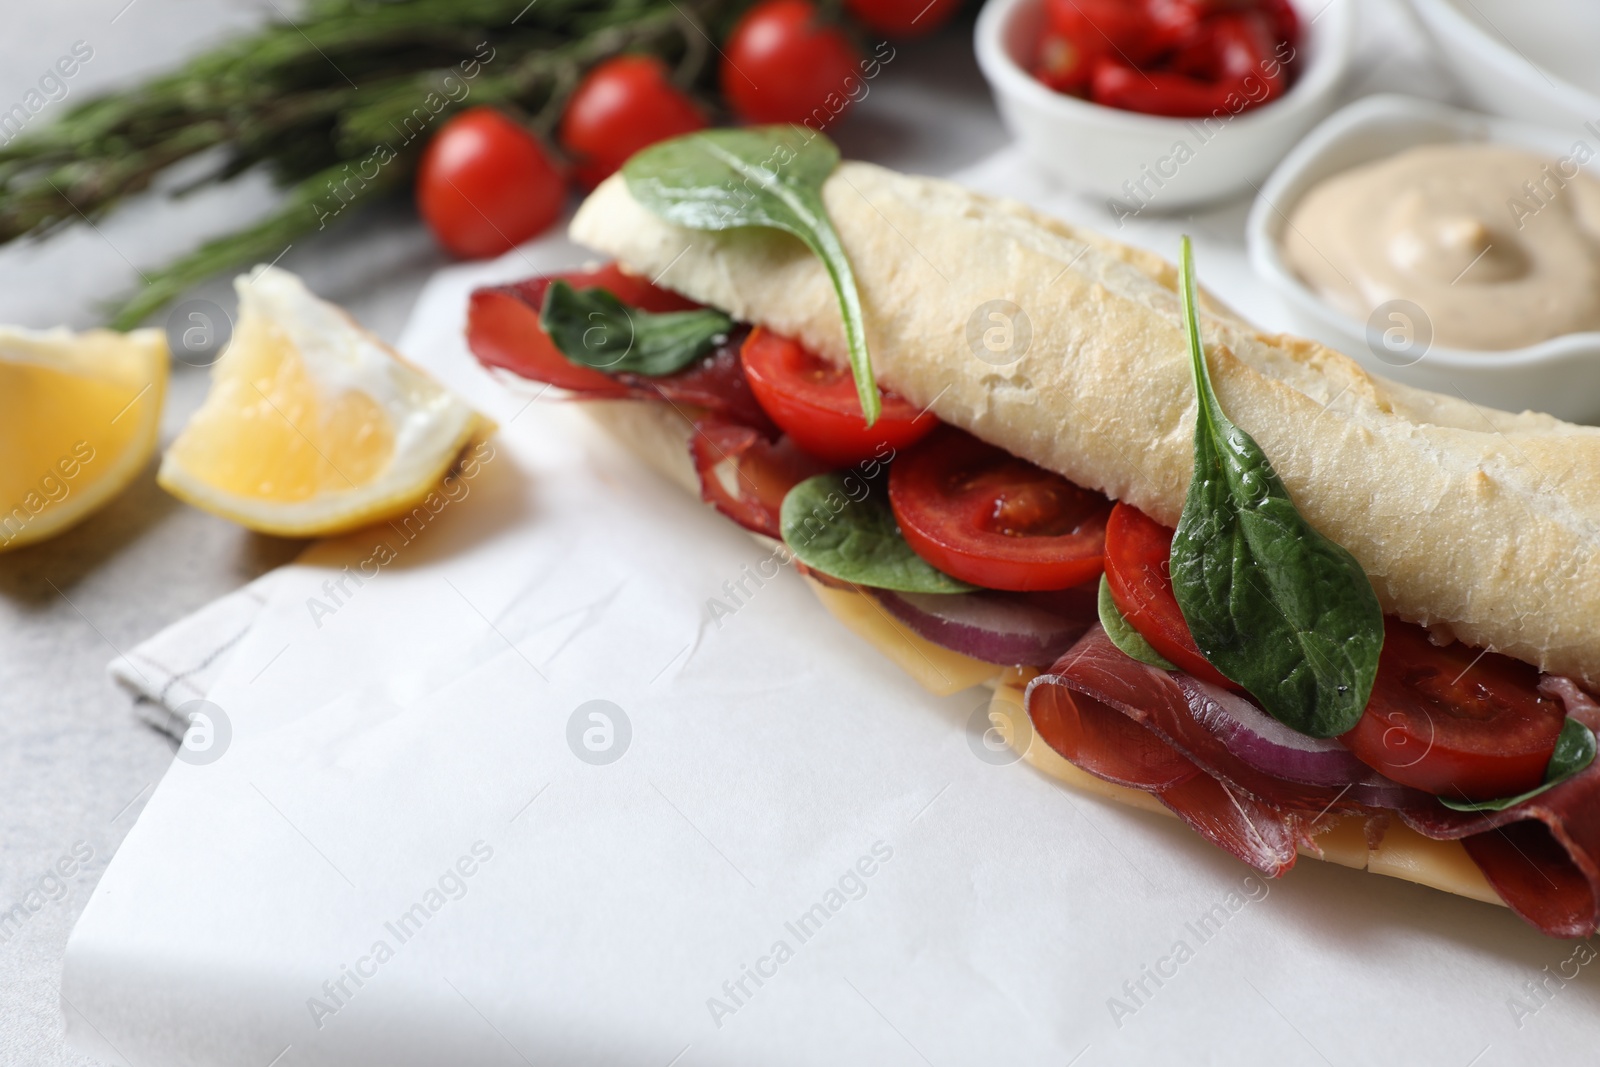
(1162, 104)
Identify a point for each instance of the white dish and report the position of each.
(1530, 61)
(1102, 151)
(1560, 376)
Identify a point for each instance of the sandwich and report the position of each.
(1207, 571)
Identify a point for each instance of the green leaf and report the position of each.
(1122, 633)
(840, 524)
(593, 328)
(1574, 751)
(1274, 605)
(765, 176)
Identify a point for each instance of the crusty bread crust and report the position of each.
(1479, 523)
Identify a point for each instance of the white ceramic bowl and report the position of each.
(1095, 149)
(1524, 59)
(1560, 376)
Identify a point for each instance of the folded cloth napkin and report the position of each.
(181, 663)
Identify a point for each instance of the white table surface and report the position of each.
(75, 765)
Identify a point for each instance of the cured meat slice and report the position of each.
(745, 474)
(1111, 745)
(1130, 723)
(503, 331)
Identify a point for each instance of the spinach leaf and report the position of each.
(1122, 633)
(1273, 604)
(840, 524)
(1575, 748)
(592, 328)
(764, 176)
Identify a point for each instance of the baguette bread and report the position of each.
(1480, 524)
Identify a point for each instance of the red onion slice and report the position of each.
(993, 627)
(1273, 748)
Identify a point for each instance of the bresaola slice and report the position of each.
(745, 474)
(1132, 724)
(1111, 745)
(1543, 855)
(1273, 749)
(503, 331)
(1153, 698)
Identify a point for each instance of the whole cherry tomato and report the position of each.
(622, 105)
(783, 64)
(903, 18)
(485, 185)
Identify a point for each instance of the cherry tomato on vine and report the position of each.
(903, 18)
(815, 402)
(982, 515)
(485, 185)
(783, 64)
(622, 105)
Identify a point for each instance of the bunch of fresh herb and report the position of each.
(332, 105)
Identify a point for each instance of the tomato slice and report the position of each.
(503, 326)
(1455, 721)
(1138, 553)
(982, 515)
(815, 402)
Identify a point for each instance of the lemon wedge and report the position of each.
(80, 414)
(313, 426)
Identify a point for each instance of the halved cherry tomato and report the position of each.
(1138, 552)
(815, 402)
(1455, 721)
(624, 104)
(503, 326)
(982, 515)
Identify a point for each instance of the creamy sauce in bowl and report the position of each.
(1499, 247)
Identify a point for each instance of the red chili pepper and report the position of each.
(1182, 58)
(1226, 69)
(1079, 32)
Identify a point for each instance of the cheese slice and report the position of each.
(936, 668)
(1403, 853)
